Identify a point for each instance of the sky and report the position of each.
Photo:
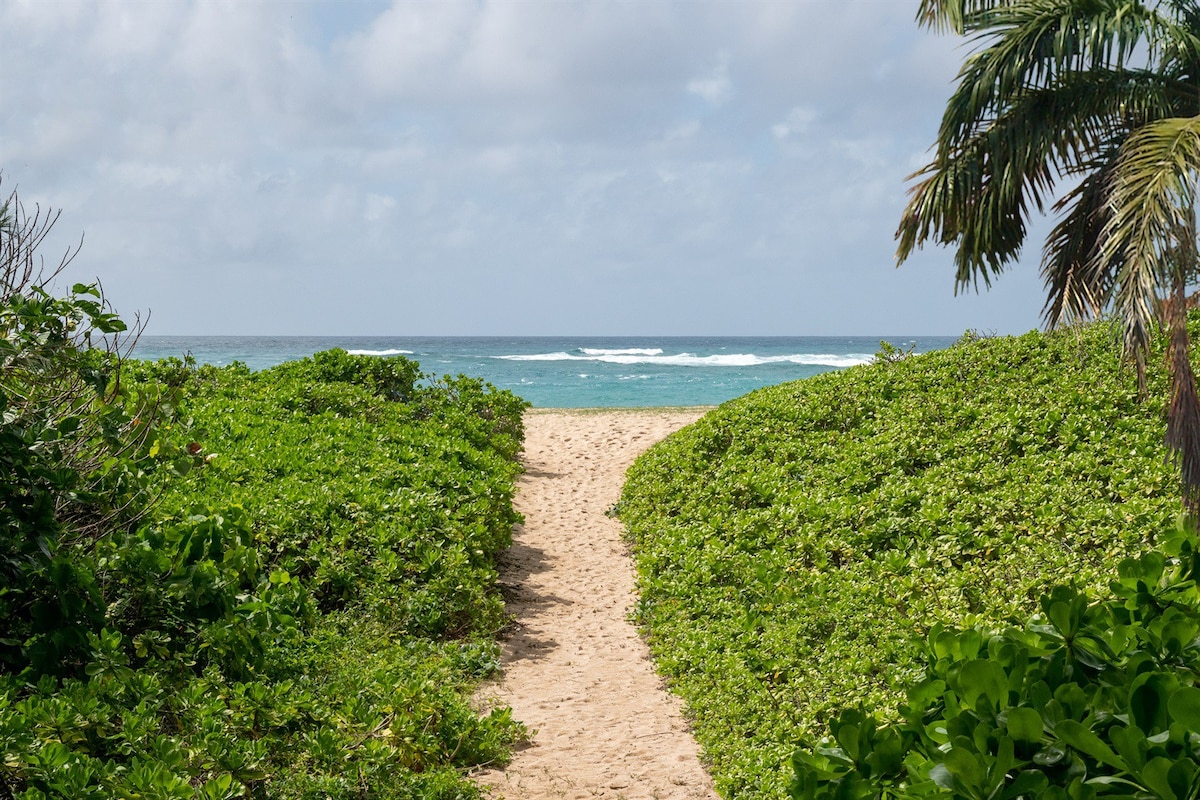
(492, 167)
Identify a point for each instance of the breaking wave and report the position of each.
(654, 356)
(380, 352)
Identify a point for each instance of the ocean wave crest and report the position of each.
(693, 360)
(380, 352)
(628, 351)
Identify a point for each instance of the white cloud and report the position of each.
(140, 175)
(411, 47)
(124, 33)
(716, 87)
(681, 134)
(378, 206)
(798, 121)
(472, 148)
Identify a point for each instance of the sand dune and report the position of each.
(575, 671)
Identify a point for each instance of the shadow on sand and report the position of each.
(517, 565)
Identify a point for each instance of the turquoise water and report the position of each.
(575, 372)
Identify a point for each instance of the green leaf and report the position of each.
(942, 776)
(1184, 707)
(1024, 725)
(1049, 756)
(887, 755)
(1156, 776)
(983, 679)
(1063, 619)
(1148, 702)
(1129, 742)
(967, 768)
(1085, 741)
(1029, 783)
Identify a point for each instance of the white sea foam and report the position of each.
(380, 352)
(651, 357)
(546, 357)
(629, 351)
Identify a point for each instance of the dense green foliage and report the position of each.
(1088, 700)
(796, 544)
(65, 453)
(1091, 109)
(220, 584)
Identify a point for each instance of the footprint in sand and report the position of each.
(576, 671)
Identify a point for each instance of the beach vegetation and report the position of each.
(1104, 98)
(797, 547)
(223, 584)
(1092, 697)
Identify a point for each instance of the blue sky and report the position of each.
(524, 167)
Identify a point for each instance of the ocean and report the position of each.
(574, 372)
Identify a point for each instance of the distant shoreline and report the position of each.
(574, 372)
(581, 412)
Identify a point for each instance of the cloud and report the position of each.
(378, 207)
(798, 121)
(465, 154)
(715, 87)
(411, 47)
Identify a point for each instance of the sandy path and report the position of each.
(575, 671)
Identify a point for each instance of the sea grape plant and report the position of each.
(795, 546)
(78, 450)
(216, 584)
(1089, 699)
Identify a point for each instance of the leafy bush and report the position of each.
(306, 608)
(1088, 700)
(368, 502)
(795, 545)
(390, 378)
(78, 450)
(218, 584)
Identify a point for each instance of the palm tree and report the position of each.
(1104, 97)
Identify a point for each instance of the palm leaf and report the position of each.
(1152, 194)
(1078, 282)
(980, 194)
(953, 204)
(951, 15)
(1183, 412)
(1182, 41)
(1036, 44)
(1105, 94)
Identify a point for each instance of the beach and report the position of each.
(575, 670)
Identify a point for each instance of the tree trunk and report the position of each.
(1183, 414)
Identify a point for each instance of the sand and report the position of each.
(574, 669)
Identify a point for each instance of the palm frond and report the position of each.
(1183, 40)
(1078, 282)
(1106, 94)
(950, 15)
(1151, 193)
(980, 194)
(1091, 111)
(1036, 44)
(952, 204)
(1183, 412)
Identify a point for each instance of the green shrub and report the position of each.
(396, 507)
(219, 584)
(1087, 700)
(391, 378)
(795, 545)
(304, 610)
(78, 454)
